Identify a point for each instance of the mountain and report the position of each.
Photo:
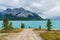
(1, 10)
(55, 18)
(20, 14)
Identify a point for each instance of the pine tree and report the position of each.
(10, 26)
(29, 27)
(49, 25)
(22, 25)
(5, 24)
(39, 27)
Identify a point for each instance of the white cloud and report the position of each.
(53, 12)
(2, 7)
(9, 3)
(49, 8)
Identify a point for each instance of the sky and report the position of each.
(44, 8)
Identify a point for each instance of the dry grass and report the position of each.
(36, 29)
(50, 35)
(16, 30)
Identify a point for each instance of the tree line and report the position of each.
(7, 26)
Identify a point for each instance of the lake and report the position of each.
(34, 24)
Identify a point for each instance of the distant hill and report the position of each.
(19, 14)
(55, 18)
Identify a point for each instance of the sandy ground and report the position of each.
(26, 34)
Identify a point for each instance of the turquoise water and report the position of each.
(34, 24)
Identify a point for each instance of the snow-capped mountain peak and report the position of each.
(21, 13)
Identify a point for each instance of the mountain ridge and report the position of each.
(19, 14)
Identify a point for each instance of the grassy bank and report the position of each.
(15, 30)
(50, 35)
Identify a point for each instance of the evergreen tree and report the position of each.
(29, 27)
(5, 24)
(39, 27)
(49, 25)
(22, 25)
(10, 26)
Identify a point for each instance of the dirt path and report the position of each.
(26, 34)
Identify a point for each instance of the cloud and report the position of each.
(54, 12)
(9, 3)
(48, 8)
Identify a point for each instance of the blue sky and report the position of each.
(45, 8)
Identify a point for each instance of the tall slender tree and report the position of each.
(5, 24)
(49, 25)
(10, 26)
(39, 27)
(29, 27)
(22, 25)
